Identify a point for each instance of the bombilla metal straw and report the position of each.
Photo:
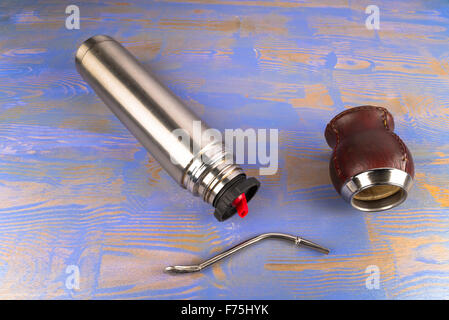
(297, 240)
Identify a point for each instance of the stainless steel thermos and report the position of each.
(152, 113)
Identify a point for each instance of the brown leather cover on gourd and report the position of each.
(362, 139)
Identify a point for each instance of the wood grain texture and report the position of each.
(77, 189)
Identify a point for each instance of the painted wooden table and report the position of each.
(79, 193)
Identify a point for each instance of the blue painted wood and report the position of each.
(77, 189)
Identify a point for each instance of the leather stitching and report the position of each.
(396, 137)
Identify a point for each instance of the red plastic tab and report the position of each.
(241, 205)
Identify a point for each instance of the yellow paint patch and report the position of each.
(442, 160)
(426, 67)
(218, 272)
(316, 97)
(91, 124)
(142, 269)
(441, 195)
(304, 173)
(357, 263)
(412, 255)
(24, 51)
(287, 56)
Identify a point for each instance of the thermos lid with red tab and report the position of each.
(234, 197)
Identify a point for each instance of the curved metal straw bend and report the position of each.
(297, 240)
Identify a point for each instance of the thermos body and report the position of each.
(152, 113)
